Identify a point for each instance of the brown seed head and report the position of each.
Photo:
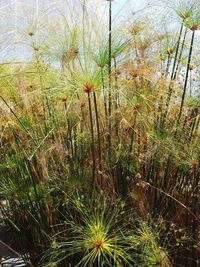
(194, 27)
(88, 87)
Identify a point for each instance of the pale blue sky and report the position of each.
(12, 17)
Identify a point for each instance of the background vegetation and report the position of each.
(99, 140)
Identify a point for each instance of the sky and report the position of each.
(16, 16)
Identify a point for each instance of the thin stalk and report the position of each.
(84, 18)
(116, 86)
(176, 201)
(163, 116)
(116, 99)
(167, 170)
(132, 135)
(41, 87)
(75, 142)
(136, 51)
(180, 55)
(194, 123)
(71, 139)
(175, 69)
(98, 128)
(186, 78)
(168, 64)
(190, 83)
(92, 136)
(109, 87)
(177, 50)
(10, 249)
(194, 208)
(82, 144)
(18, 119)
(104, 94)
(139, 142)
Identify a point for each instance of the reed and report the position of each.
(99, 142)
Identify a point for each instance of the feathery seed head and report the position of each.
(185, 8)
(193, 23)
(88, 87)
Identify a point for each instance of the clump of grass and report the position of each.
(95, 235)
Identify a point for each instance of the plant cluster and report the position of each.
(100, 146)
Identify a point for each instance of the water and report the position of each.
(12, 262)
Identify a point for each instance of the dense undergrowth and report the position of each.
(100, 155)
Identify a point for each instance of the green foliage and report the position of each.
(96, 234)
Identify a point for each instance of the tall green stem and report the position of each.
(177, 49)
(82, 143)
(172, 74)
(186, 78)
(109, 73)
(104, 94)
(168, 64)
(92, 136)
(180, 55)
(132, 137)
(98, 128)
(84, 18)
(116, 99)
(195, 120)
(116, 85)
(190, 83)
